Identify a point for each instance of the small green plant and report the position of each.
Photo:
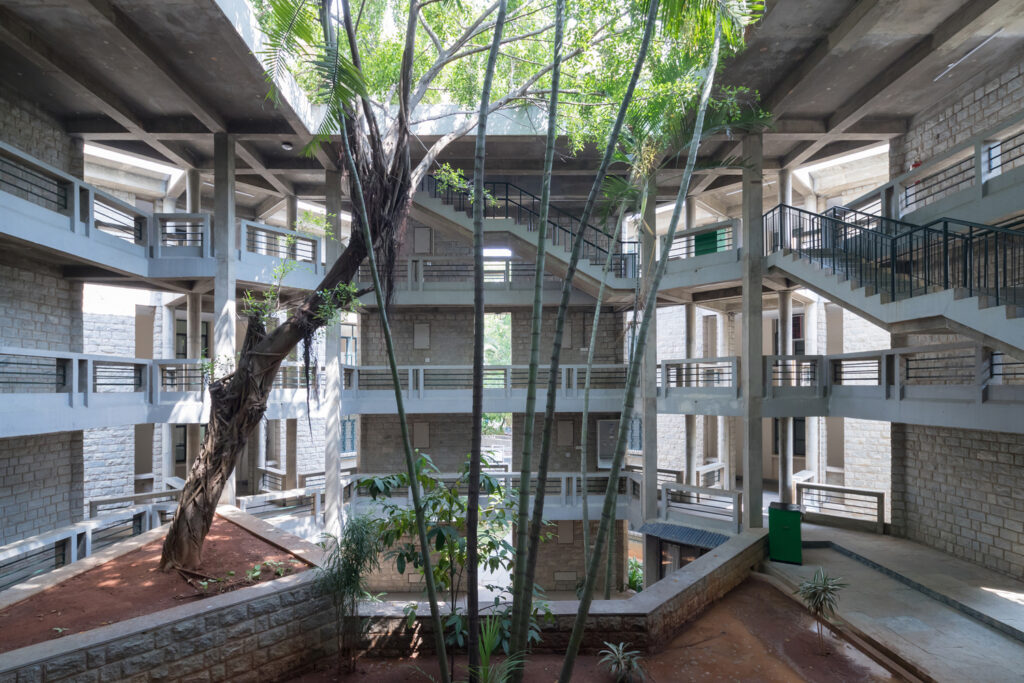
(635, 577)
(454, 179)
(624, 664)
(491, 637)
(821, 596)
(59, 631)
(254, 573)
(347, 562)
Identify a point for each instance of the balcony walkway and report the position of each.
(951, 619)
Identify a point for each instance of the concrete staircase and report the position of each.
(523, 241)
(977, 316)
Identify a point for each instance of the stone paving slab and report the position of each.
(994, 596)
(941, 641)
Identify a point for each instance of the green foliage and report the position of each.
(493, 631)
(451, 50)
(449, 178)
(445, 509)
(347, 561)
(498, 339)
(624, 664)
(497, 423)
(820, 594)
(635, 578)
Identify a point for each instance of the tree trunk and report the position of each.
(473, 493)
(237, 404)
(523, 589)
(522, 603)
(633, 376)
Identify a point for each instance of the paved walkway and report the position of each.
(921, 622)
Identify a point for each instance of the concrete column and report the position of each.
(332, 355)
(291, 211)
(813, 435)
(724, 444)
(752, 361)
(193, 191)
(786, 187)
(649, 397)
(168, 205)
(786, 423)
(193, 349)
(291, 453)
(225, 323)
(811, 203)
(690, 421)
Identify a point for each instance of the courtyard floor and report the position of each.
(753, 634)
(919, 602)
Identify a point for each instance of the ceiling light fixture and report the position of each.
(287, 146)
(957, 62)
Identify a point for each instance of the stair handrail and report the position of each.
(973, 257)
(433, 187)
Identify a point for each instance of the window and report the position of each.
(181, 339)
(348, 435)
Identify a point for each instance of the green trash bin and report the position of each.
(784, 538)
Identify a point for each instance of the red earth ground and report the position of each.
(753, 634)
(132, 586)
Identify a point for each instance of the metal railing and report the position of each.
(1005, 154)
(719, 374)
(438, 273)
(510, 201)
(721, 505)
(707, 239)
(946, 180)
(266, 240)
(828, 504)
(27, 182)
(945, 254)
(421, 380)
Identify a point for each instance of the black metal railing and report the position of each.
(708, 242)
(30, 184)
(945, 254)
(942, 182)
(24, 374)
(939, 367)
(856, 372)
(510, 201)
(182, 378)
(703, 374)
(181, 233)
(114, 377)
(1005, 154)
(116, 221)
(279, 244)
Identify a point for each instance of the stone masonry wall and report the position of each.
(33, 131)
(40, 483)
(560, 561)
(451, 336)
(867, 443)
(565, 457)
(39, 308)
(961, 491)
(610, 345)
(980, 104)
(380, 441)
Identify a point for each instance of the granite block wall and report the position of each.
(981, 103)
(40, 483)
(961, 491)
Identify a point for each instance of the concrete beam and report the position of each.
(18, 35)
(960, 26)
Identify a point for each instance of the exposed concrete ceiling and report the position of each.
(158, 78)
